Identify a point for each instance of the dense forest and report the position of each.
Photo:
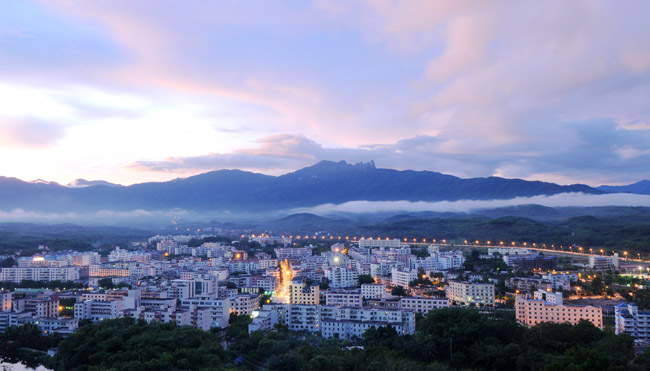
(447, 339)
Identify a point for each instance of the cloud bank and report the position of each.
(466, 206)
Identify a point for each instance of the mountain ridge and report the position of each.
(641, 187)
(325, 182)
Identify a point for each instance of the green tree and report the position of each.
(7, 263)
(106, 283)
(399, 291)
(365, 278)
(642, 299)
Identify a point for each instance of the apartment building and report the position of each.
(629, 320)
(107, 271)
(369, 242)
(96, 311)
(245, 304)
(603, 262)
(39, 274)
(347, 298)
(340, 277)
(402, 278)
(218, 315)
(373, 290)
(423, 304)
(470, 293)
(548, 307)
(42, 307)
(333, 321)
(302, 292)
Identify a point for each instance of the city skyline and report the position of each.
(131, 92)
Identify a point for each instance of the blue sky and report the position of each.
(133, 91)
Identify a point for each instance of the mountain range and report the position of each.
(642, 187)
(326, 182)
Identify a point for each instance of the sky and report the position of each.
(151, 90)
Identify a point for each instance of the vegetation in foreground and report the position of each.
(447, 339)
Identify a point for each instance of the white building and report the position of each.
(561, 280)
(402, 278)
(631, 321)
(508, 251)
(340, 277)
(39, 274)
(423, 305)
(471, 293)
(219, 314)
(603, 262)
(347, 298)
(373, 290)
(333, 321)
(369, 242)
(121, 255)
(98, 310)
(286, 253)
(51, 325)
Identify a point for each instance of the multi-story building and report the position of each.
(42, 307)
(121, 255)
(391, 303)
(39, 274)
(218, 315)
(347, 298)
(181, 289)
(333, 321)
(469, 293)
(51, 325)
(369, 242)
(525, 284)
(303, 292)
(340, 277)
(548, 307)
(381, 269)
(629, 320)
(373, 290)
(603, 262)
(508, 251)
(96, 311)
(402, 278)
(108, 271)
(422, 304)
(287, 253)
(530, 261)
(245, 304)
(561, 280)
(7, 300)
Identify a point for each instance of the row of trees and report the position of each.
(29, 284)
